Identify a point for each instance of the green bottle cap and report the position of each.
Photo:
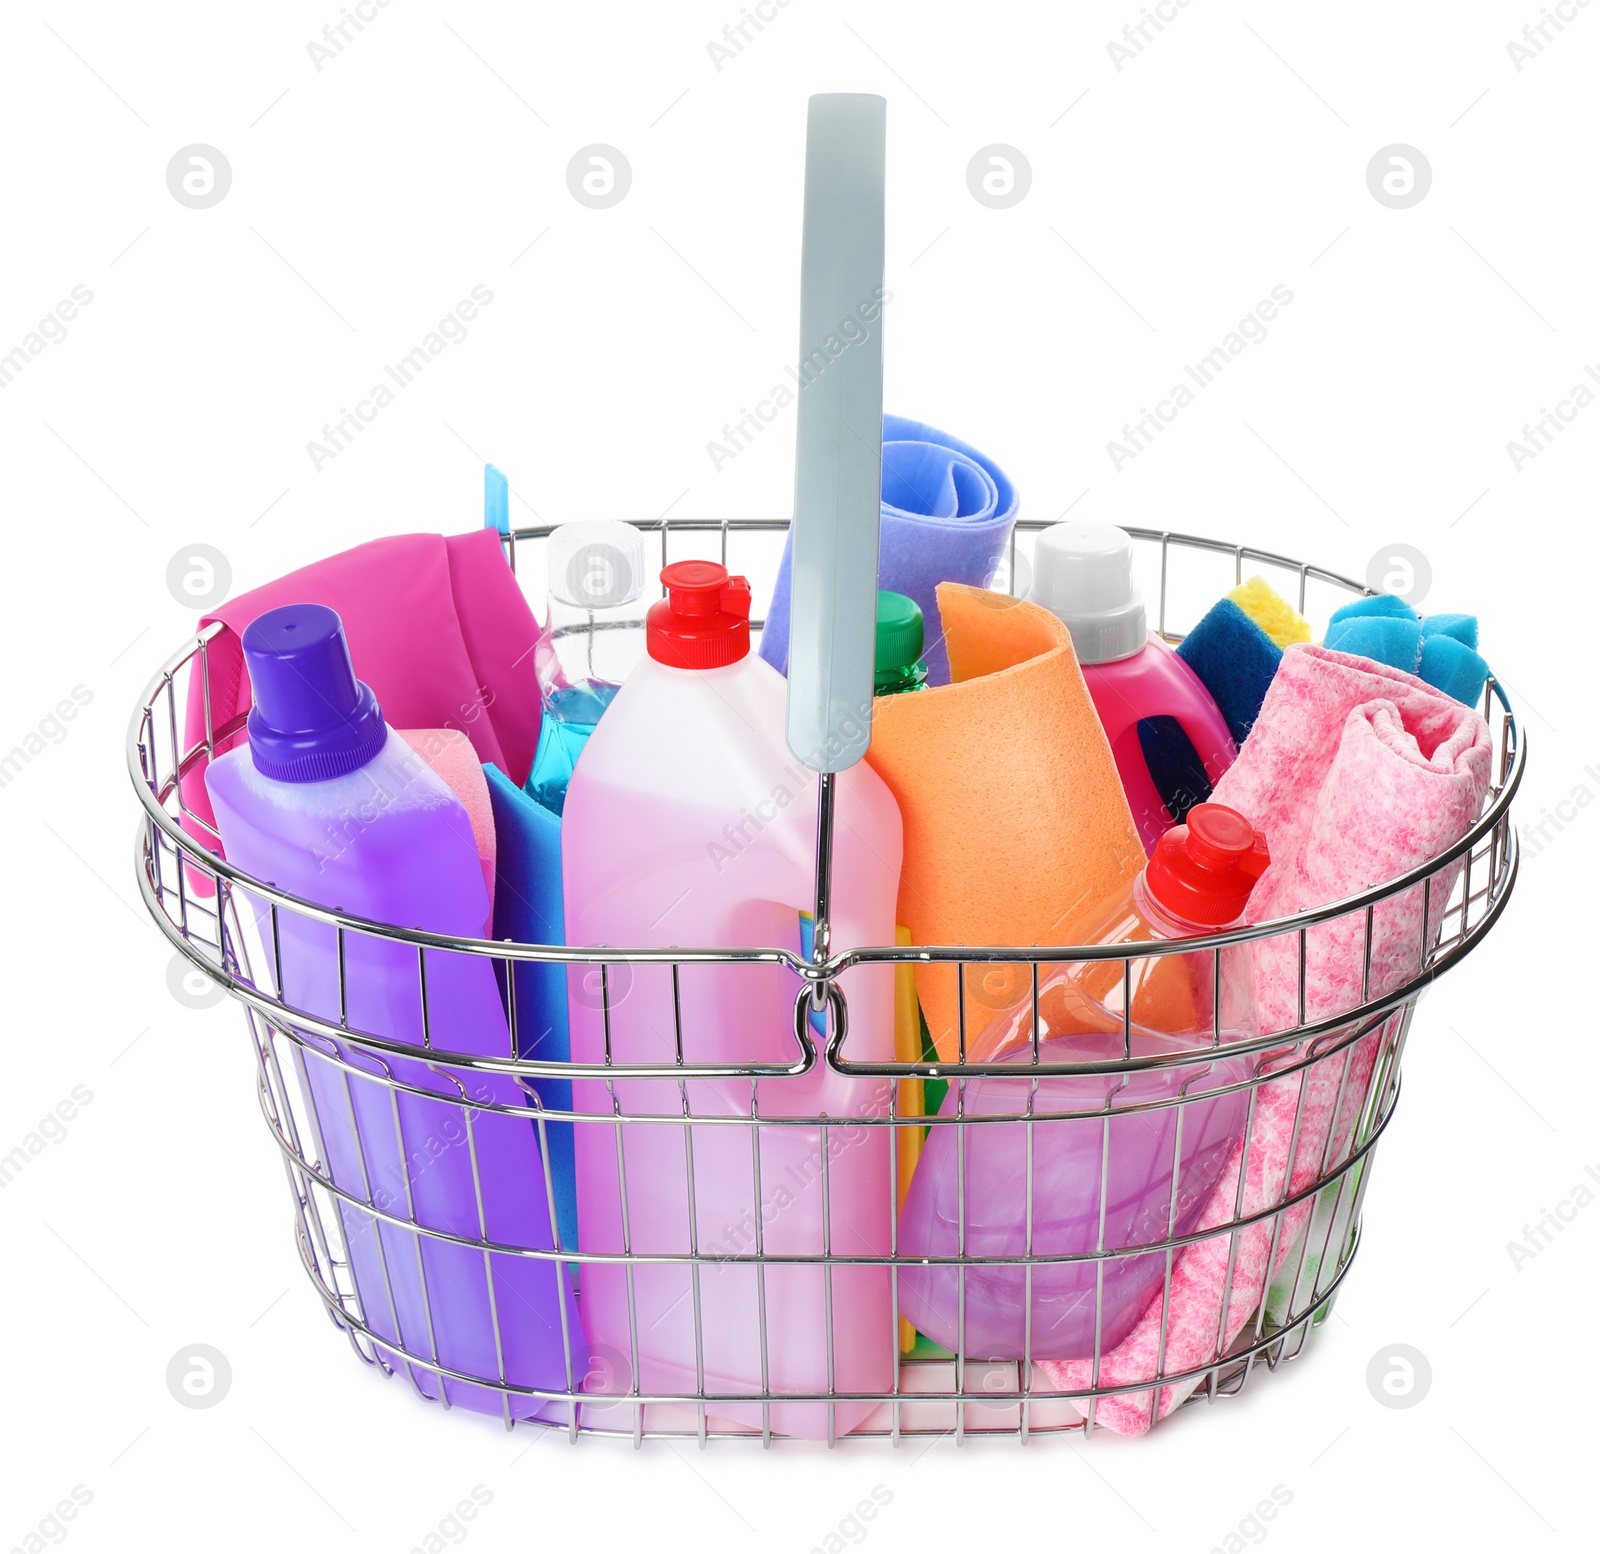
(899, 637)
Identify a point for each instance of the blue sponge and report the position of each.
(1377, 604)
(1452, 667)
(1464, 628)
(1387, 638)
(1235, 660)
(1440, 649)
(528, 909)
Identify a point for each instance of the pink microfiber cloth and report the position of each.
(1358, 773)
(437, 626)
(450, 754)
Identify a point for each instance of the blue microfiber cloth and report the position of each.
(946, 518)
(528, 909)
(1440, 649)
(1235, 660)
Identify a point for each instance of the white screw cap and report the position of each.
(595, 564)
(1083, 573)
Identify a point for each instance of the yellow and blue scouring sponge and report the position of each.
(1235, 659)
(1271, 612)
(1235, 650)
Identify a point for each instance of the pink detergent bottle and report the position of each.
(688, 822)
(326, 803)
(1083, 573)
(1117, 1163)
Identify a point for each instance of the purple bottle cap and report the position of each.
(311, 718)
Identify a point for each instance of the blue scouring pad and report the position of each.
(1235, 660)
(1452, 667)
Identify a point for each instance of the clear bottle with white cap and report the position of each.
(593, 638)
(1083, 573)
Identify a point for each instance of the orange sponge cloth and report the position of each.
(1016, 828)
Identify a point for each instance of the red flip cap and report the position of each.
(704, 622)
(1204, 871)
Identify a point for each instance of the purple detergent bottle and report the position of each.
(1118, 1163)
(327, 804)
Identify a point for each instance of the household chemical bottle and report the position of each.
(593, 637)
(1083, 573)
(326, 803)
(897, 664)
(689, 823)
(1119, 1163)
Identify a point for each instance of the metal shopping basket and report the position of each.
(1341, 1072)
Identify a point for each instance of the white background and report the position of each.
(1167, 198)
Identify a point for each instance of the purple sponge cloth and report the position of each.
(1235, 660)
(946, 518)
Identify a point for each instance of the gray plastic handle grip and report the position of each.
(839, 434)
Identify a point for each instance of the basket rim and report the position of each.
(153, 800)
(811, 1051)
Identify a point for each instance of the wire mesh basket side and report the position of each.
(417, 1254)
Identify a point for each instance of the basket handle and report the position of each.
(838, 485)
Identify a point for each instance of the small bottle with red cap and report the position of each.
(1119, 1162)
(1198, 881)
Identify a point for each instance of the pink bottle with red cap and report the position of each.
(1134, 1160)
(1083, 573)
(689, 823)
